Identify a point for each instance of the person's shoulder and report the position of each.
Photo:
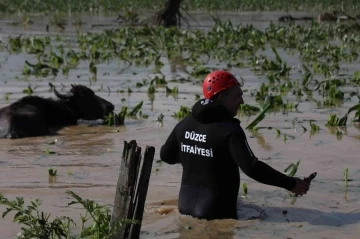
(234, 129)
(182, 122)
(232, 125)
(234, 122)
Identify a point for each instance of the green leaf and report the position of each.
(307, 77)
(343, 120)
(293, 168)
(278, 58)
(6, 212)
(136, 109)
(263, 111)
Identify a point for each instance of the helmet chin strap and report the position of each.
(206, 101)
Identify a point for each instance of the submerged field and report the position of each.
(311, 69)
(47, 6)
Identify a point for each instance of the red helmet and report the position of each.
(217, 81)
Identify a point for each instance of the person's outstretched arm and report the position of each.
(255, 169)
(169, 152)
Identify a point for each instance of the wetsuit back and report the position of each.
(211, 145)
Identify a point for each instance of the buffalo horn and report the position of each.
(63, 96)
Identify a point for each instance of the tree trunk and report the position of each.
(170, 15)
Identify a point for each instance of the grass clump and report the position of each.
(116, 119)
(37, 224)
(314, 128)
(183, 112)
(52, 171)
(334, 120)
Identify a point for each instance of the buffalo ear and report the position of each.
(72, 85)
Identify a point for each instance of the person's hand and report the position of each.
(301, 187)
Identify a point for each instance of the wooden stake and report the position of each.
(141, 191)
(125, 187)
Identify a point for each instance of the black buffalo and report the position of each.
(36, 116)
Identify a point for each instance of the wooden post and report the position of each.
(141, 191)
(131, 189)
(125, 187)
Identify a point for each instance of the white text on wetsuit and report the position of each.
(194, 149)
(194, 136)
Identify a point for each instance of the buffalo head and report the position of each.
(83, 102)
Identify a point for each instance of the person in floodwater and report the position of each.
(211, 145)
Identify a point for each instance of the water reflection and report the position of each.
(313, 132)
(152, 99)
(52, 180)
(177, 63)
(261, 140)
(357, 126)
(334, 130)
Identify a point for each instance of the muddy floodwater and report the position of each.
(87, 156)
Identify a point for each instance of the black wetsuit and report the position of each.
(211, 146)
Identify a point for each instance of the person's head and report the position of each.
(223, 88)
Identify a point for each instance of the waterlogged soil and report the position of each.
(87, 157)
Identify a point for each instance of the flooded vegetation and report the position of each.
(96, 6)
(301, 92)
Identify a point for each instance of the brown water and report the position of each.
(88, 157)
